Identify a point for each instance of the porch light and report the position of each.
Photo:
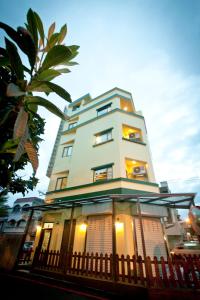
(119, 225)
(83, 227)
(125, 108)
(38, 228)
(187, 220)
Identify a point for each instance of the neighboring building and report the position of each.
(101, 150)
(17, 218)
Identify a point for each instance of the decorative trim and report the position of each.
(105, 192)
(104, 115)
(99, 144)
(102, 167)
(137, 142)
(103, 131)
(104, 182)
(99, 103)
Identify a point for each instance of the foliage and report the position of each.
(20, 124)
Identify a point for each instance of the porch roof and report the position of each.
(179, 201)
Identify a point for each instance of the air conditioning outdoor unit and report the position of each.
(134, 136)
(140, 170)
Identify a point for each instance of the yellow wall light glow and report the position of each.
(119, 226)
(38, 228)
(83, 227)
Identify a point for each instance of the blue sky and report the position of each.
(150, 48)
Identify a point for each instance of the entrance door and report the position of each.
(99, 234)
(68, 241)
(45, 239)
(153, 236)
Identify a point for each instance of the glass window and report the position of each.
(103, 110)
(67, 151)
(103, 137)
(103, 174)
(76, 107)
(72, 125)
(61, 183)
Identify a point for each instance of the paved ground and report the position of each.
(16, 287)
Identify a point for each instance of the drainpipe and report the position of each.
(24, 238)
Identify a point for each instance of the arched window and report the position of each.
(16, 208)
(25, 205)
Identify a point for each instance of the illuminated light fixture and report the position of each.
(187, 220)
(38, 228)
(134, 162)
(83, 227)
(125, 108)
(119, 225)
(98, 139)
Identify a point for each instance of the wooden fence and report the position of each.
(25, 257)
(175, 272)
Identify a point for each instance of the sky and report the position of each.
(150, 48)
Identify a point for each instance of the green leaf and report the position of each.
(62, 34)
(56, 56)
(52, 41)
(48, 74)
(51, 30)
(13, 90)
(59, 90)
(32, 25)
(38, 86)
(64, 70)
(15, 59)
(45, 103)
(39, 26)
(74, 48)
(71, 63)
(4, 61)
(23, 39)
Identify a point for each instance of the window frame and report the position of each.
(67, 147)
(106, 107)
(60, 186)
(103, 167)
(71, 125)
(107, 132)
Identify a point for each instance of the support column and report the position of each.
(141, 228)
(70, 228)
(113, 241)
(24, 236)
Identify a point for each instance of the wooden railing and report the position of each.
(176, 272)
(25, 257)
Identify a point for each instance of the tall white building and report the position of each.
(103, 150)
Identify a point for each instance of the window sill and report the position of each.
(103, 143)
(137, 142)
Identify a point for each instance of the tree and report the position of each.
(20, 123)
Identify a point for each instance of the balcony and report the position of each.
(126, 105)
(137, 170)
(132, 134)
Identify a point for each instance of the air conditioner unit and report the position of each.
(140, 170)
(134, 136)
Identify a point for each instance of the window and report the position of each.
(131, 133)
(67, 151)
(136, 169)
(16, 208)
(103, 173)
(61, 183)
(72, 125)
(103, 110)
(76, 107)
(103, 136)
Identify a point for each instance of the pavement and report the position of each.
(24, 286)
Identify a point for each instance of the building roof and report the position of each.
(28, 199)
(179, 201)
